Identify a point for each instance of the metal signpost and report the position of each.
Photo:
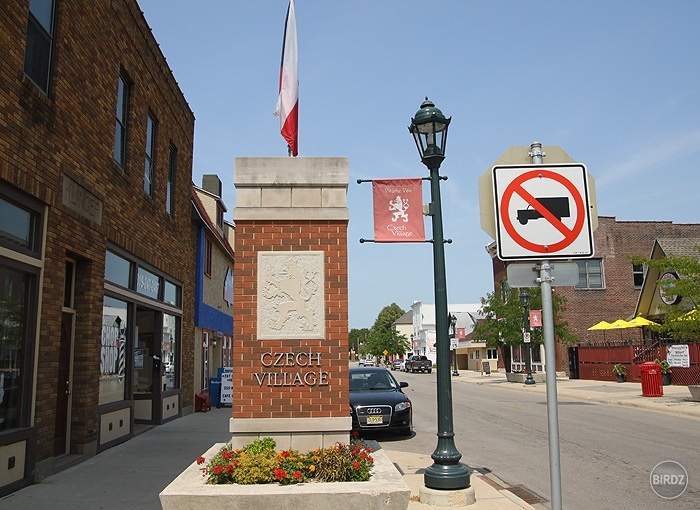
(542, 212)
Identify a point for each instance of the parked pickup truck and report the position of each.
(418, 364)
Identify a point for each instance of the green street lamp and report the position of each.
(525, 301)
(429, 130)
(453, 336)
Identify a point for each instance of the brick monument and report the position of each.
(290, 341)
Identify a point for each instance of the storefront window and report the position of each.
(169, 351)
(117, 270)
(14, 292)
(147, 283)
(113, 352)
(172, 294)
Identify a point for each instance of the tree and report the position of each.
(383, 336)
(357, 338)
(678, 322)
(505, 319)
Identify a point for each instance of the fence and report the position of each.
(596, 360)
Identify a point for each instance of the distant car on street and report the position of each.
(397, 364)
(377, 401)
(418, 364)
(366, 361)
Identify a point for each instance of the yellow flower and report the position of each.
(312, 468)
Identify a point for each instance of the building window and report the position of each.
(38, 52)
(219, 216)
(113, 351)
(590, 274)
(208, 250)
(120, 130)
(118, 270)
(169, 351)
(638, 275)
(17, 295)
(492, 354)
(170, 186)
(150, 155)
(205, 360)
(20, 225)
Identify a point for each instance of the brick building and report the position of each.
(609, 284)
(214, 286)
(96, 237)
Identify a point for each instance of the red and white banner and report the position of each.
(398, 210)
(535, 318)
(288, 101)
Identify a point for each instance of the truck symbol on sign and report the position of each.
(558, 206)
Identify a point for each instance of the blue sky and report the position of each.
(614, 84)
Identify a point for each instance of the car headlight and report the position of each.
(401, 406)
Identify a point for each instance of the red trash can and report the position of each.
(652, 385)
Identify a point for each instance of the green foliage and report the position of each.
(505, 317)
(618, 369)
(345, 463)
(258, 462)
(663, 366)
(382, 336)
(678, 323)
(357, 337)
(387, 317)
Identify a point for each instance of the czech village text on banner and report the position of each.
(398, 210)
(288, 101)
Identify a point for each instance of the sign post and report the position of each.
(540, 213)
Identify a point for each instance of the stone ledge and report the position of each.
(385, 490)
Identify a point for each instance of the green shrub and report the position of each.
(258, 462)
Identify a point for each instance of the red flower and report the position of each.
(200, 460)
(355, 433)
(229, 469)
(227, 455)
(297, 475)
(218, 470)
(356, 465)
(284, 454)
(280, 474)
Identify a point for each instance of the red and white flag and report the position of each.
(398, 210)
(288, 101)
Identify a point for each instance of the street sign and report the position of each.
(542, 212)
(520, 155)
(526, 274)
(526, 337)
(454, 343)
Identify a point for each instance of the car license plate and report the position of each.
(374, 420)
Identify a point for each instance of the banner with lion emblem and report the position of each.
(398, 210)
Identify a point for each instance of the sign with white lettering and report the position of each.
(678, 356)
(226, 396)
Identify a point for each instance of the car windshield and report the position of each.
(363, 381)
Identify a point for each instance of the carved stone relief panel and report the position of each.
(291, 301)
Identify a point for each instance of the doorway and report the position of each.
(63, 386)
(148, 366)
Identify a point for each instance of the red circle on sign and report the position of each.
(570, 235)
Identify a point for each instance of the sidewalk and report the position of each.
(675, 399)
(131, 475)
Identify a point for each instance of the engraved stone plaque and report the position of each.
(291, 302)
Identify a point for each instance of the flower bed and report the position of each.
(385, 490)
(258, 462)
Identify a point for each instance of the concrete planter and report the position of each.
(520, 378)
(385, 490)
(694, 392)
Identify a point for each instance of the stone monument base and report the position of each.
(303, 434)
(385, 490)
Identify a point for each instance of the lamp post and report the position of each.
(429, 130)
(453, 341)
(525, 301)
